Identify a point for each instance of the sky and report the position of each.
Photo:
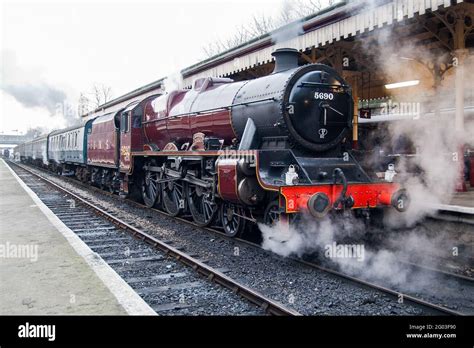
(51, 51)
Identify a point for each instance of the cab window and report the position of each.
(124, 122)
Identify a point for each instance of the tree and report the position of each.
(261, 24)
(88, 101)
(101, 94)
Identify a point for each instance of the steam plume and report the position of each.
(29, 89)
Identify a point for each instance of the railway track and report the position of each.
(429, 307)
(131, 252)
(464, 282)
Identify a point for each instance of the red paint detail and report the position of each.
(365, 195)
(130, 141)
(178, 116)
(102, 144)
(227, 174)
(177, 153)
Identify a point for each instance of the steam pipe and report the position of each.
(336, 174)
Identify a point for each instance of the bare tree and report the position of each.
(101, 94)
(303, 8)
(98, 95)
(262, 24)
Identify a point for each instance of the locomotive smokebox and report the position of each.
(285, 59)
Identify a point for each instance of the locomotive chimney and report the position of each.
(285, 58)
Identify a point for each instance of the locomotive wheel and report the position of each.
(172, 193)
(272, 214)
(232, 220)
(151, 190)
(201, 208)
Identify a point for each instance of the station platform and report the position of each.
(461, 202)
(46, 269)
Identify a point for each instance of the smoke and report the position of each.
(283, 37)
(39, 95)
(375, 260)
(431, 175)
(173, 82)
(32, 91)
(307, 236)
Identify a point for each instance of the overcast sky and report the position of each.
(55, 50)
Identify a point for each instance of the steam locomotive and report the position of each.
(230, 152)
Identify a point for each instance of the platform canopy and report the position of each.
(345, 36)
(342, 21)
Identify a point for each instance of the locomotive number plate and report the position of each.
(323, 96)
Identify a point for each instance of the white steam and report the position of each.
(285, 37)
(433, 134)
(378, 262)
(173, 82)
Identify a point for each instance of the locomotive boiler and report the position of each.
(309, 106)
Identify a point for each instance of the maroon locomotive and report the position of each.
(234, 152)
